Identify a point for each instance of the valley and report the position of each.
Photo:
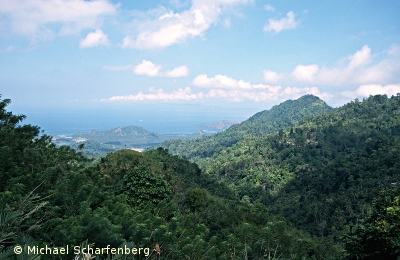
(301, 180)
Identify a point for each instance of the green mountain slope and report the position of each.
(54, 196)
(262, 123)
(323, 173)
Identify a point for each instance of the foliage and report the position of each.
(139, 198)
(269, 121)
(196, 198)
(145, 188)
(323, 173)
(15, 226)
(378, 235)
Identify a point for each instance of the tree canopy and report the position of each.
(324, 187)
(55, 196)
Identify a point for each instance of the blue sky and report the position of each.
(232, 57)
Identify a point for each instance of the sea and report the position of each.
(67, 122)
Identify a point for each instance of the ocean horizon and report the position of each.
(68, 123)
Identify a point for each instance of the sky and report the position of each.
(208, 59)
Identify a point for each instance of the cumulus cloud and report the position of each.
(286, 23)
(168, 27)
(222, 81)
(272, 76)
(160, 95)
(374, 89)
(36, 19)
(147, 68)
(361, 57)
(294, 92)
(359, 69)
(240, 95)
(226, 88)
(181, 71)
(302, 72)
(235, 95)
(269, 94)
(238, 90)
(94, 39)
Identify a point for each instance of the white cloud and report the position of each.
(366, 90)
(294, 92)
(361, 57)
(181, 71)
(150, 69)
(239, 90)
(269, 7)
(242, 95)
(147, 68)
(235, 95)
(239, 95)
(94, 39)
(286, 23)
(160, 95)
(307, 73)
(168, 28)
(272, 76)
(39, 19)
(226, 88)
(222, 81)
(360, 69)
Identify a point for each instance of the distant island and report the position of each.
(98, 143)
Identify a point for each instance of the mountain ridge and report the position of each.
(265, 122)
(332, 175)
(323, 173)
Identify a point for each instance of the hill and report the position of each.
(123, 135)
(323, 173)
(278, 117)
(332, 175)
(54, 196)
(326, 173)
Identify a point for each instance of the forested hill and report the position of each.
(323, 173)
(334, 175)
(123, 137)
(55, 197)
(278, 117)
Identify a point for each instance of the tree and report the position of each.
(196, 198)
(144, 188)
(378, 236)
